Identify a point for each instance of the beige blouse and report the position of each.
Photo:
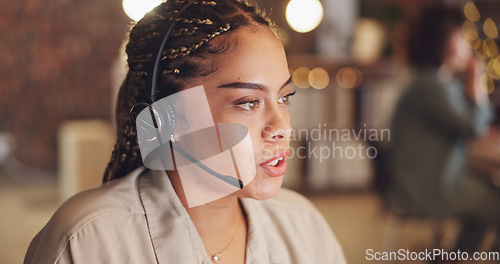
(140, 219)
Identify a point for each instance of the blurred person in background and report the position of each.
(443, 108)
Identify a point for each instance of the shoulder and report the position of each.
(94, 209)
(116, 197)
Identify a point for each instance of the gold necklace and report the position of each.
(217, 256)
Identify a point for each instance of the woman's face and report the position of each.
(458, 53)
(251, 86)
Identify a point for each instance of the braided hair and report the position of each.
(185, 58)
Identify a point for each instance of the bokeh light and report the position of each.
(300, 77)
(349, 77)
(368, 42)
(496, 65)
(319, 78)
(477, 44)
(490, 29)
(490, 48)
(136, 9)
(304, 15)
(487, 83)
(471, 12)
(470, 31)
(480, 51)
(490, 69)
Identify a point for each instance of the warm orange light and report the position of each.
(477, 44)
(496, 65)
(300, 77)
(490, 48)
(487, 83)
(490, 29)
(480, 52)
(319, 78)
(490, 69)
(136, 9)
(349, 77)
(471, 12)
(470, 30)
(304, 15)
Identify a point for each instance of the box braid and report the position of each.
(185, 58)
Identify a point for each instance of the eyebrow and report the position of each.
(252, 86)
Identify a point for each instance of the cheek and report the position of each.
(462, 57)
(252, 122)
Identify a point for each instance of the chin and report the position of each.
(262, 187)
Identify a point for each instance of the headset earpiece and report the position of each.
(136, 109)
(162, 118)
(165, 117)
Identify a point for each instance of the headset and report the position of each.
(167, 119)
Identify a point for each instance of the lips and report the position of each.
(275, 166)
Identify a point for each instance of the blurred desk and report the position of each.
(484, 155)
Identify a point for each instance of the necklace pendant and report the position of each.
(216, 258)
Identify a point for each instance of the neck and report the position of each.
(221, 224)
(218, 218)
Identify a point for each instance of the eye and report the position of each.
(249, 105)
(285, 99)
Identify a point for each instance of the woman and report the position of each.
(443, 108)
(143, 216)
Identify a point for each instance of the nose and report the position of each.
(277, 127)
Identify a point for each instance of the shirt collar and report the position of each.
(173, 234)
(175, 238)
